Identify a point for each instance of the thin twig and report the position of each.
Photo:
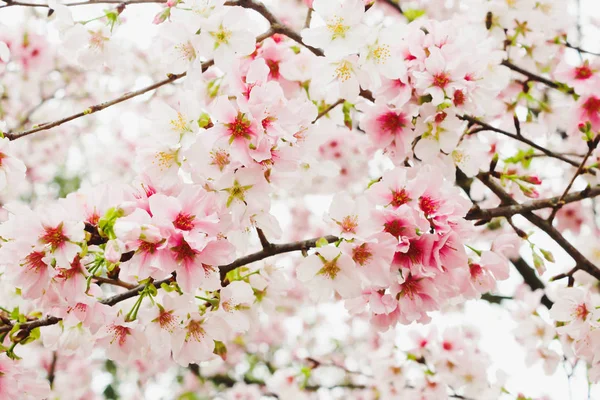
(534, 77)
(98, 107)
(581, 261)
(328, 109)
(274, 249)
(522, 139)
(264, 242)
(10, 3)
(477, 213)
(591, 147)
(395, 5)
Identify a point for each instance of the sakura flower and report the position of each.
(390, 129)
(439, 79)
(60, 236)
(574, 307)
(236, 297)
(91, 47)
(124, 341)
(343, 31)
(587, 110)
(237, 129)
(373, 257)
(350, 216)
(16, 382)
(329, 270)
(164, 319)
(344, 76)
(225, 35)
(396, 189)
(196, 341)
(196, 262)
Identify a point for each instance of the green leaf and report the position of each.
(413, 13)
(346, 108)
(522, 157)
(321, 242)
(547, 255)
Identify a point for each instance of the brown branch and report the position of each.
(10, 3)
(579, 49)
(98, 107)
(533, 77)
(592, 144)
(263, 239)
(581, 261)
(271, 251)
(276, 25)
(506, 211)
(394, 4)
(274, 249)
(52, 369)
(328, 109)
(115, 282)
(522, 139)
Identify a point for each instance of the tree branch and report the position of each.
(506, 211)
(522, 139)
(98, 107)
(394, 4)
(592, 144)
(533, 77)
(10, 3)
(581, 261)
(274, 249)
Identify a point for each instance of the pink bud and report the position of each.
(114, 249)
(162, 16)
(534, 180)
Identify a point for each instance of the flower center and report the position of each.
(54, 237)
(35, 261)
(183, 252)
(349, 224)
(336, 27)
(381, 53)
(239, 128)
(395, 228)
(581, 312)
(119, 333)
(391, 122)
(400, 197)
(195, 331)
(428, 205)
(179, 124)
(592, 106)
(344, 71)
(361, 254)
(441, 80)
(330, 269)
(165, 159)
(220, 158)
(584, 72)
(185, 222)
(221, 36)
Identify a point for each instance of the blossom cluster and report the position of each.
(148, 251)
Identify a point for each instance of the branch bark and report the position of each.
(582, 263)
(270, 251)
(510, 210)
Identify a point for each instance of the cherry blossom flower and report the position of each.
(343, 31)
(329, 270)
